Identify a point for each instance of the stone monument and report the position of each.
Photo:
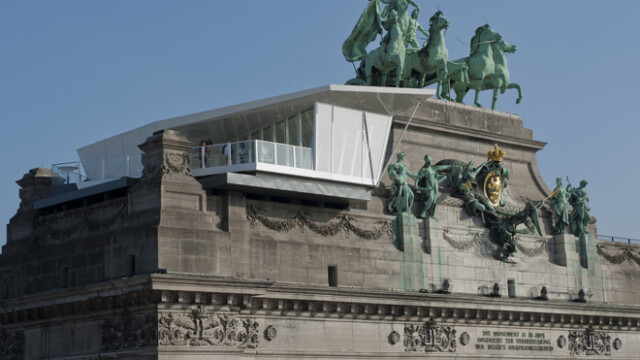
(310, 245)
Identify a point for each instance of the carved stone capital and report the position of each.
(166, 152)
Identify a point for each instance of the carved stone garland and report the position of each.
(541, 248)
(60, 226)
(196, 328)
(129, 332)
(301, 220)
(463, 241)
(626, 255)
(589, 342)
(474, 239)
(429, 337)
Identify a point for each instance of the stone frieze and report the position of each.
(128, 332)
(589, 342)
(199, 328)
(429, 337)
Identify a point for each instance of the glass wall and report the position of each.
(295, 130)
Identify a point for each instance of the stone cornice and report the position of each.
(76, 294)
(421, 125)
(265, 298)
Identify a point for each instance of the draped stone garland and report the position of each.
(478, 240)
(625, 255)
(302, 221)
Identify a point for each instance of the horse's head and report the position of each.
(484, 36)
(506, 47)
(485, 33)
(438, 22)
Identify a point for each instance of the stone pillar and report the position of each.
(579, 256)
(171, 203)
(236, 224)
(432, 246)
(590, 261)
(34, 185)
(432, 234)
(409, 242)
(566, 252)
(166, 180)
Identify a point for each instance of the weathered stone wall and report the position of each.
(75, 246)
(296, 243)
(166, 222)
(621, 271)
(250, 278)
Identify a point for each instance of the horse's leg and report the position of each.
(369, 72)
(399, 73)
(383, 80)
(494, 99)
(477, 86)
(399, 60)
(460, 94)
(423, 76)
(444, 94)
(517, 87)
(442, 75)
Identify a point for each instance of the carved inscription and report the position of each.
(514, 341)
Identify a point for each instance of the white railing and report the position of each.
(98, 170)
(210, 156)
(251, 151)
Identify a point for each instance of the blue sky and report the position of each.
(75, 72)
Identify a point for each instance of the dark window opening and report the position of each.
(333, 276)
(65, 277)
(132, 262)
(511, 287)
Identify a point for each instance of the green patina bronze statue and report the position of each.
(388, 59)
(503, 226)
(560, 208)
(580, 216)
(429, 64)
(397, 62)
(427, 183)
(487, 68)
(464, 188)
(400, 62)
(401, 193)
(481, 190)
(366, 30)
(410, 36)
(402, 8)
